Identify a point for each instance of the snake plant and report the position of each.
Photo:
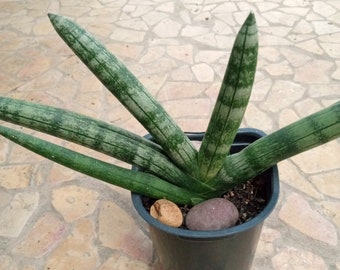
(172, 168)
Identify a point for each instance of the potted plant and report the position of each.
(169, 165)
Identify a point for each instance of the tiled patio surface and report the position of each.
(54, 218)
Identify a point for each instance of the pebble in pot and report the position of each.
(213, 214)
(167, 212)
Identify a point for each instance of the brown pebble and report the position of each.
(213, 214)
(167, 212)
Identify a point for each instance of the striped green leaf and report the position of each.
(129, 91)
(231, 102)
(307, 133)
(97, 135)
(139, 182)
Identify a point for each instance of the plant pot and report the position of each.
(227, 249)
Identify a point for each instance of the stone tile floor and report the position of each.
(54, 218)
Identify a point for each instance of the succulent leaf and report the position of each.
(231, 102)
(129, 91)
(300, 136)
(139, 182)
(97, 135)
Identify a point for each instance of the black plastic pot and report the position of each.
(228, 249)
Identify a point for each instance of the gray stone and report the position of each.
(213, 214)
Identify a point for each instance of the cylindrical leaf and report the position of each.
(307, 133)
(139, 182)
(97, 135)
(232, 101)
(129, 91)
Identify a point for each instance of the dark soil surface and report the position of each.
(249, 198)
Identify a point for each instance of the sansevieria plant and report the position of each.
(171, 166)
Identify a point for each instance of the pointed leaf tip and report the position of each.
(250, 19)
(51, 15)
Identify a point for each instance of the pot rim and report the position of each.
(274, 194)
